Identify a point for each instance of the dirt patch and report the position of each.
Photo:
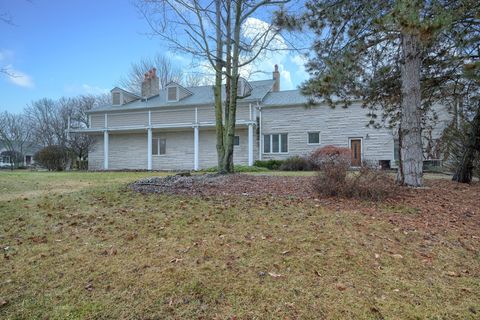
(228, 185)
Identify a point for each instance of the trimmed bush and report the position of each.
(269, 164)
(296, 163)
(54, 158)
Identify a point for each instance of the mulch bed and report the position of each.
(228, 185)
(441, 205)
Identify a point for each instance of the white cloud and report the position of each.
(88, 89)
(19, 78)
(75, 89)
(300, 60)
(6, 55)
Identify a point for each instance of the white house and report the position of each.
(174, 128)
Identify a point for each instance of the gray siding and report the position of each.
(179, 151)
(129, 151)
(95, 154)
(336, 126)
(164, 116)
(97, 120)
(208, 149)
(127, 119)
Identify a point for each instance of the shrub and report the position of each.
(54, 158)
(333, 179)
(269, 164)
(368, 183)
(330, 156)
(334, 163)
(296, 163)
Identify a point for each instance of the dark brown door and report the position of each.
(356, 147)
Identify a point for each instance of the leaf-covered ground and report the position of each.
(83, 246)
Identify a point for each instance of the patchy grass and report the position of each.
(97, 251)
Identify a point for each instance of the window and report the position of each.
(236, 141)
(172, 94)
(116, 98)
(313, 138)
(275, 143)
(159, 146)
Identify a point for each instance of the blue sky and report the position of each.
(65, 48)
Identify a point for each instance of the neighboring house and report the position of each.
(174, 128)
(27, 151)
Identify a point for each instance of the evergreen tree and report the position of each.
(398, 56)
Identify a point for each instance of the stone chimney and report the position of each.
(276, 77)
(150, 84)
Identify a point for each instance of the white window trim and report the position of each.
(176, 95)
(319, 138)
(158, 147)
(279, 143)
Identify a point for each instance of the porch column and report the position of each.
(195, 148)
(250, 144)
(149, 149)
(105, 150)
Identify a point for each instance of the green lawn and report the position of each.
(79, 246)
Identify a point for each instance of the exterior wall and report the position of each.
(95, 154)
(125, 151)
(129, 150)
(179, 151)
(162, 116)
(208, 148)
(336, 127)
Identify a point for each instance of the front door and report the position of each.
(356, 148)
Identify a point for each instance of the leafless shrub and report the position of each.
(334, 178)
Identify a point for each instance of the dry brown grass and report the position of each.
(103, 253)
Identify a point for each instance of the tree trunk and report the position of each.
(464, 171)
(218, 90)
(411, 132)
(225, 163)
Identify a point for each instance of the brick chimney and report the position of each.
(276, 77)
(150, 84)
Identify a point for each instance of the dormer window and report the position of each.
(116, 98)
(243, 88)
(172, 94)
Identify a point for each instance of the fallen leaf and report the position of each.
(341, 287)
(3, 302)
(285, 252)
(397, 256)
(175, 260)
(275, 275)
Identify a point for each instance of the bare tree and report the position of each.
(15, 133)
(79, 144)
(211, 31)
(165, 69)
(49, 121)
